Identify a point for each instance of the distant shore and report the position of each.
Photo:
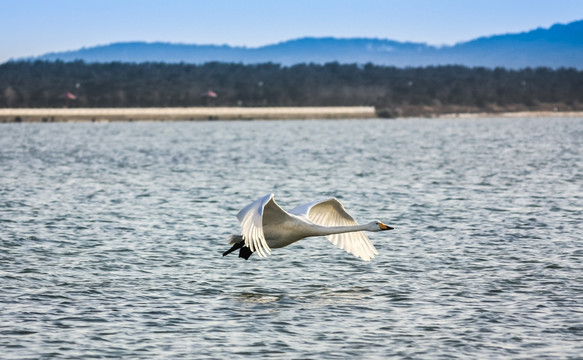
(516, 114)
(183, 114)
(11, 115)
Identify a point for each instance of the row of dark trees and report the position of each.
(45, 84)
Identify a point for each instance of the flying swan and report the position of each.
(267, 226)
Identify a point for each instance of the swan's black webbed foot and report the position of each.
(235, 247)
(245, 252)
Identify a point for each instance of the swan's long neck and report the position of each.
(330, 230)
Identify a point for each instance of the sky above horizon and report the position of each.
(36, 27)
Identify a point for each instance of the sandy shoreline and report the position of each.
(184, 114)
(228, 113)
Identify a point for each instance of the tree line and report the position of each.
(77, 84)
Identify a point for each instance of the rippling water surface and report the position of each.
(111, 238)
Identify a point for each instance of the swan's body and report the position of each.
(265, 226)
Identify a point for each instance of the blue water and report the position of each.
(111, 238)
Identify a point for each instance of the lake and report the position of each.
(111, 237)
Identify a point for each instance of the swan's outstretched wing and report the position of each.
(252, 218)
(332, 213)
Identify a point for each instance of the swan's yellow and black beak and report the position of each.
(385, 227)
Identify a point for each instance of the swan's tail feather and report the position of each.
(234, 239)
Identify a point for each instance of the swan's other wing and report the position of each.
(252, 218)
(331, 212)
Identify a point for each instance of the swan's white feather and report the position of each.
(331, 212)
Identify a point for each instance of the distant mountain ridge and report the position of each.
(561, 45)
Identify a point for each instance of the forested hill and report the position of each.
(441, 89)
(555, 47)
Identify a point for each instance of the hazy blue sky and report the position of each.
(34, 27)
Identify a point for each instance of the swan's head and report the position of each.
(378, 226)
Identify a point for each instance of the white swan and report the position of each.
(266, 225)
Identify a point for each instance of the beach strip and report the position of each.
(184, 114)
(11, 115)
